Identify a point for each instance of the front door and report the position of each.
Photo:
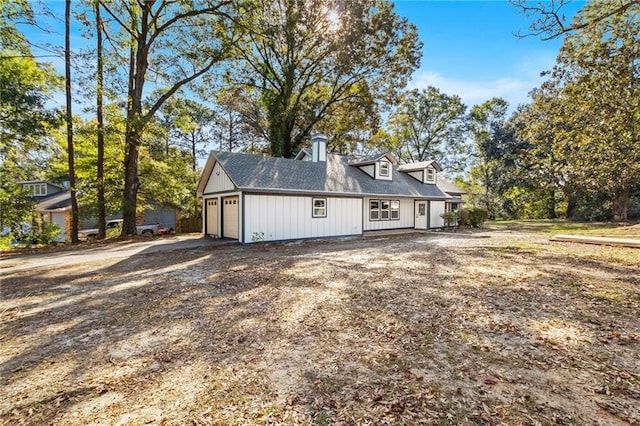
(421, 215)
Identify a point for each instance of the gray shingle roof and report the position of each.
(336, 176)
(449, 187)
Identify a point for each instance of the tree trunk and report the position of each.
(620, 205)
(102, 216)
(551, 205)
(131, 183)
(571, 206)
(72, 172)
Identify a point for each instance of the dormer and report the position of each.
(424, 171)
(40, 188)
(379, 167)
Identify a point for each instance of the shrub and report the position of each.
(477, 216)
(449, 218)
(463, 220)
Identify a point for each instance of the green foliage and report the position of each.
(477, 216)
(429, 125)
(86, 157)
(16, 207)
(449, 218)
(299, 59)
(44, 232)
(583, 122)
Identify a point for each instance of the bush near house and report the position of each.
(474, 216)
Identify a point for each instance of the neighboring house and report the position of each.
(252, 198)
(54, 205)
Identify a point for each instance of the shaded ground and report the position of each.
(500, 327)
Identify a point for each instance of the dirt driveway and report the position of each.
(499, 327)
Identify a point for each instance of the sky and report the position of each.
(470, 49)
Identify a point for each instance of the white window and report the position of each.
(36, 189)
(319, 207)
(384, 210)
(384, 168)
(374, 210)
(431, 175)
(395, 210)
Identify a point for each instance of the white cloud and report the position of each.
(474, 92)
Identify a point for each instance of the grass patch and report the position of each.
(561, 226)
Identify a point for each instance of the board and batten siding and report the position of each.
(436, 209)
(406, 216)
(218, 181)
(284, 217)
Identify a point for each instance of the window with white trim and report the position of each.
(36, 189)
(430, 175)
(319, 207)
(384, 168)
(374, 210)
(384, 210)
(395, 209)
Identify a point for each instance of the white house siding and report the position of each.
(218, 181)
(436, 209)
(369, 169)
(406, 215)
(283, 217)
(417, 175)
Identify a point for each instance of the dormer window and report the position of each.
(36, 189)
(430, 175)
(384, 169)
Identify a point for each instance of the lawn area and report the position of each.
(557, 226)
(494, 326)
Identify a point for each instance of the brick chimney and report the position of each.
(319, 148)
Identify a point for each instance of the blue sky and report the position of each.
(470, 49)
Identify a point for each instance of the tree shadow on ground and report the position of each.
(386, 330)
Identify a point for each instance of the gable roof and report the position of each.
(410, 167)
(333, 177)
(371, 159)
(304, 152)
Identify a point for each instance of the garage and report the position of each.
(230, 217)
(212, 217)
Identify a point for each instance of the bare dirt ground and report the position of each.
(498, 327)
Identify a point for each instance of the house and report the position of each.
(54, 206)
(252, 198)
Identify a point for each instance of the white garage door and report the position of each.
(212, 217)
(59, 219)
(230, 217)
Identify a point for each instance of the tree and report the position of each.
(301, 57)
(102, 215)
(549, 19)
(484, 121)
(25, 120)
(591, 107)
(172, 43)
(86, 156)
(190, 124)
(429, 124)
(69, 118)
